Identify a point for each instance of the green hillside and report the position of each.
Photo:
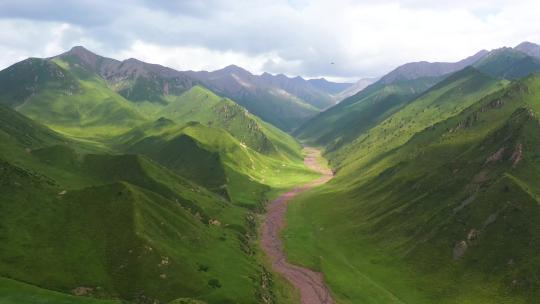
(82, 217)
(70, 95)
(448, 214)
(446, 99)
(277, 107)
(508, 63)
(133, 183)
(66, 98)
(137, 81)
(201, 105)
(150, 253)
(14, 292)
(213, 158)
(344, 122)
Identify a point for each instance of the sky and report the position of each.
(338, 39)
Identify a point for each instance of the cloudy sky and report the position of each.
(362, 38)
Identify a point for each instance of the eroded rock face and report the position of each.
(459, 249)
(472, 235)
(517, 155)
(82, 291)
(496, 156)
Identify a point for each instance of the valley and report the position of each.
(310, 284)
(123, 181)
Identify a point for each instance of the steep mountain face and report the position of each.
(440, 194)
(137, 224)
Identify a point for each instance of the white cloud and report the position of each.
(193, 57)
(362, 38)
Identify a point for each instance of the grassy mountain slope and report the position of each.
(201, 105)
(77, 220)
(283, 101)
(450, 215)
(148, 255)
(137, 81)
(212, 157)
(14, 292)
(508, 63)
(66, 98)
(276, 106)
(70, 94)
(446, 99)
(345, 121)
(271, 103)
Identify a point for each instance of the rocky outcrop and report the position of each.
(517, 155)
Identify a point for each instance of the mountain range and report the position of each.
(278, 99)
(342, 123)
(130, 182)
(434, 199)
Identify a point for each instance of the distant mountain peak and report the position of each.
(232, 68)
(84, 56)
(416, 70)
(529, 48)
(78, 48)
(79, 51)
(526, 44)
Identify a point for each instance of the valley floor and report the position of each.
(309, 283)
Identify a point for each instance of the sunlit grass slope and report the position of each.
(201, 105)
(344, 122)
(66, 98)
(444, 100)
(141, 226)
(448, 215)
(14, 292)
(215, 159)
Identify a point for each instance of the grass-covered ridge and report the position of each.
(448, 215)
(446, 99)
(68, 99)
(162, 210)
(344, 122)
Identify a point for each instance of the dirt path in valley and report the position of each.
(308, 282)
